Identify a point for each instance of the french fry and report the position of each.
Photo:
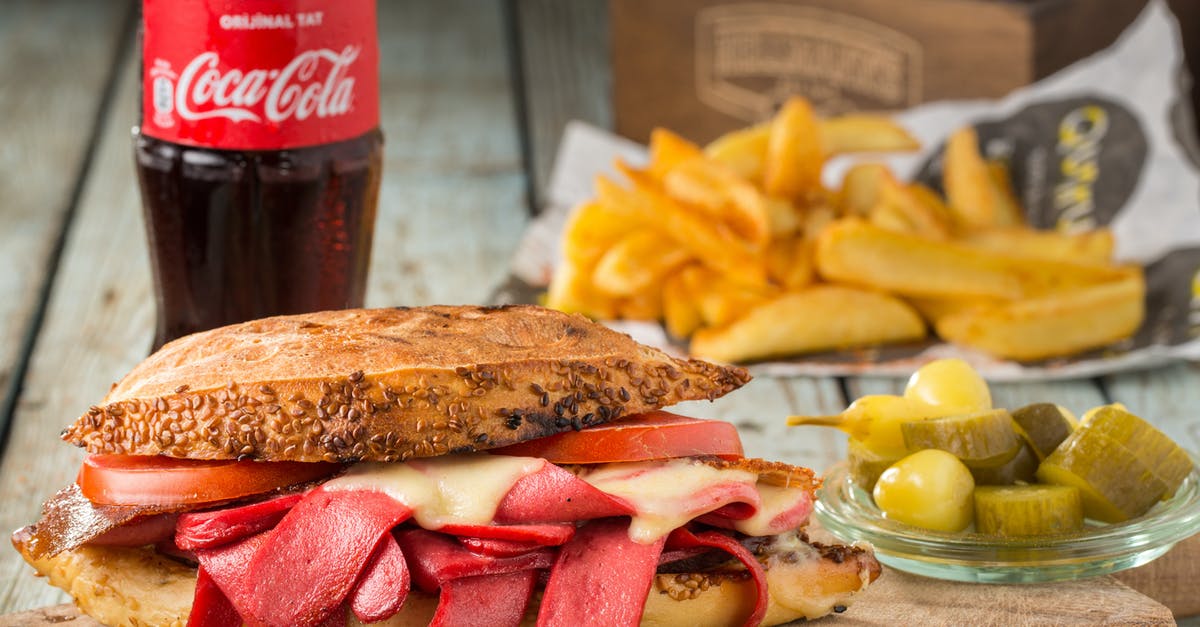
(668, 150)
(1008, 206)
(744, 151)
(888, 217)
(646, 305)
(783, 217)
(816, 218)
(934, 309)
(794, 152)
(969, 192)
(856, 252)
(722, 300)
(571, 290)
(713, 243)
(864, 133)
(1042, 277)
(593, 227)
(1056, 324)
(681, 313)
(870, 190)
(722, 195)
(1095, 247)
(916, 217)
(933, 202)
(790, 262)
(821, 317)
(862, 187)
(636, 262)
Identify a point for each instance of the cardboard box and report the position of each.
(702, 67)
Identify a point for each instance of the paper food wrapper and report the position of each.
(1108, 141)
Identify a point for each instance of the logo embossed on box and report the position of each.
(750, 57)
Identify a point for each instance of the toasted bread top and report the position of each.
(387, 385)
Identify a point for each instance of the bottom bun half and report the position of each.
(138, 586)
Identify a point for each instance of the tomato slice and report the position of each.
(154, 480)
(653, 435)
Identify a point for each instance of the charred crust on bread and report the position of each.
(769, 472)
(413, 383)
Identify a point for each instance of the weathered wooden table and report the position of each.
(474, 95)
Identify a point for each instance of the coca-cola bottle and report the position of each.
(258, 155)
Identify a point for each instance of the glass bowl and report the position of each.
(847, 511)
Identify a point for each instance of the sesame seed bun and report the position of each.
(387, 385)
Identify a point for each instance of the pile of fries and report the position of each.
(739, 247)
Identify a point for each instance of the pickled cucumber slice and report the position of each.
(1114, 485)
(1089, 414)
(983, 439)
(866, 466)
(1027, 510)
(1043, 426)
(1022, 467)
(1166, 459)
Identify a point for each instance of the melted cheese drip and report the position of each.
(660, 491)
(775, 501)
(794, 565)
(467, 489)
(452, 489)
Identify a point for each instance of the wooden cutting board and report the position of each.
(905, 599)
(1173, 579)
(900, 598)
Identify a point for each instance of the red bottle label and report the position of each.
(259, 74)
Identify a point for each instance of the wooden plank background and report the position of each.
(56, 64)
(104, 273)
(562, 69)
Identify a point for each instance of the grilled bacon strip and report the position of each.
(70, 520)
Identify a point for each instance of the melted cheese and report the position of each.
(663, 493)
(776, 500)
(452, 489)
(796, 574)
(666, 495)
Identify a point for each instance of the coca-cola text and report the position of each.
(296, 91)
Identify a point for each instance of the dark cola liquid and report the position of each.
(238, 235)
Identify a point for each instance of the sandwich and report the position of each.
(437, 465)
